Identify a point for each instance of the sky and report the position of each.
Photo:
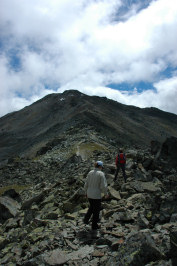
(125, 50)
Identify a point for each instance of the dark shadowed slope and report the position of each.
(51, 117)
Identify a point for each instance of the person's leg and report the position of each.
(89, 212)
(123, 171)
(96, 212)
(116, 173)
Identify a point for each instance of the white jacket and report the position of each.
(95, 184)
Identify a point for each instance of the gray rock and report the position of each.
(51, 219)
(130, 164)
(3, 242)
(8, 208)
(80, 253)
(161, 263)
(138, 249)
(114, 193)
(37, 199)
(140, 176)
(173, 218)
(143, 222)
(149, 187)
(169, 151)
(131, 154)
(123, 217)
(173, 241)
(56, 257)
(12, 194)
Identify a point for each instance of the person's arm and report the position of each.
(86, 184)
(116, 162)
(103, 185)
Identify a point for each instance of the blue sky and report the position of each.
(124, 50)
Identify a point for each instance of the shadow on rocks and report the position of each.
(87, 236)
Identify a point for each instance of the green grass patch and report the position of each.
(17, 188)
(86, 149)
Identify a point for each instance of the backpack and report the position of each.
(121, 158)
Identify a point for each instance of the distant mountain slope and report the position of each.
(51, 117)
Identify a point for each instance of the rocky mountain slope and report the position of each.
(49, 120)
(42, 206)
(50, 147)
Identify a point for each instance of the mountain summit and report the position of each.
(25, 132)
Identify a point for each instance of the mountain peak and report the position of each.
(30, 128)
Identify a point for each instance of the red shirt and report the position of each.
(120, 158)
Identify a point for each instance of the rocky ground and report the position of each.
(42, 206)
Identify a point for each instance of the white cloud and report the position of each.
(163, 97)
(167, 91)
(80, 45)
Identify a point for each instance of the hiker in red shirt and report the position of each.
(120, 163)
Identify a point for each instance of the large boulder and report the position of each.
(169, 151)
(138, 249)
(8, 208)
(12, 194)
(173, 242)
(167, 208)
(142, 175)
(36, 199)
(155, 147)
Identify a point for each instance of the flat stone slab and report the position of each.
(56, 257)
(114, 193)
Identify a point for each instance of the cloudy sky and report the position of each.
(125, 50)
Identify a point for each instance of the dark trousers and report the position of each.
(94, 208)
(122, 166)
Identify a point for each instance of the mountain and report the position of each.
(48, 149)
(57, 116)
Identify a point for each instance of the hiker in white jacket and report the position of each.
(95, 185)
